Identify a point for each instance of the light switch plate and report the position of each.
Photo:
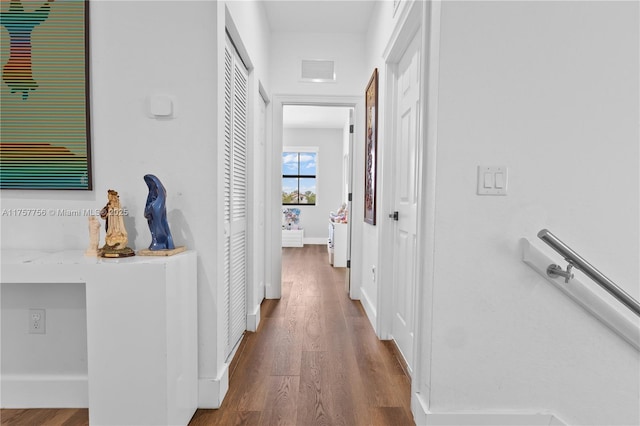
(492, 180)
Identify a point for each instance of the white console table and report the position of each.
(141, 330)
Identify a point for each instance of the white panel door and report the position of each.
(235, 193)
(406, 198)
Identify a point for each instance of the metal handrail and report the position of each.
(576, 261)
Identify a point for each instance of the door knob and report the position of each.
(394, 216)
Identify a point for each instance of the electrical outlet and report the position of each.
(37, 323)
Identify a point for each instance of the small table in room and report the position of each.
(293, 238)
(142, 351)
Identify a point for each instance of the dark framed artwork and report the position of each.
(371, 146)
(44, 95)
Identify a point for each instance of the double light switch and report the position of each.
(492, 180)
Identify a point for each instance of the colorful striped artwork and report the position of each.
(44, 95)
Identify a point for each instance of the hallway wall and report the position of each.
(550, 90)
(140, 49)
(173, 48)
(383, 23)
(171, 56)
(288, 49)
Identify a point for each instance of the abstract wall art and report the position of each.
(371, 143)
(44, 95)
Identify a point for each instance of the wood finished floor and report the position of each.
(314, 360)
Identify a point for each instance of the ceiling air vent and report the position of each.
(318, 71)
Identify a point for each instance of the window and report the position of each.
(299, 177)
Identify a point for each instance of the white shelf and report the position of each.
(142, 349)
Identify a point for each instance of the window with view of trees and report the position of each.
(299, 178)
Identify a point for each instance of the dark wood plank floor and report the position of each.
(314, 360)
(42, 416)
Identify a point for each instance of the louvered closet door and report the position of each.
(235, 193)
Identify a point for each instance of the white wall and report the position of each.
(140, 49)
(288, 49)
(384, 23)
(173, 48)
(550, 90)
(63, 348)
(127, 143)
(315, 219)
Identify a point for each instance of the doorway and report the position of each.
(401, 255)
(319, 128)
(406, 198)
(316, 179)
(236, 77)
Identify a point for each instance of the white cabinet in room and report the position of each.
(337, 244)
(292, 237)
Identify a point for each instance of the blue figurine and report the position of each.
(156, 213)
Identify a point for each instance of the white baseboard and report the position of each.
(423, 417)
(315, 241)
(44, 391)
(208, 393)
(370, 309)
(491, 419)
(211, 391)
(253, 319)
(419, 409)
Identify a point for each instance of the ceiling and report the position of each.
(319, 16)
(315, 117)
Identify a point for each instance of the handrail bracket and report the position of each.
(555, 271)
